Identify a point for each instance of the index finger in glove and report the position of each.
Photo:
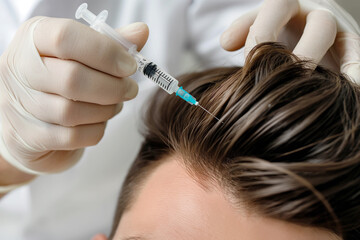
(259, 26)
(273, 16)
(318, 36)
(347, 47)
(234, 37)
(68, 39)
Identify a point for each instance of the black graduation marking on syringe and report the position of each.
(150, 69)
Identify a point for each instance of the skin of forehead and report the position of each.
(172, 205)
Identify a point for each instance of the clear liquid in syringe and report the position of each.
(153, 72)
(158, 76)
(148, 68)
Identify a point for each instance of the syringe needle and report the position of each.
(148, 68)
(209, 113)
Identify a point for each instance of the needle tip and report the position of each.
(209, 112)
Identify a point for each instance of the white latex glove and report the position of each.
(60, 81)
(323, 22)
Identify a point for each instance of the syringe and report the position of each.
(148, 68)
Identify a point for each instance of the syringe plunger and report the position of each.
(83, 12)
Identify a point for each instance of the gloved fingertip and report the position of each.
(353, 71)
(225, 40)
(229, 41)
(118, 108)
(134, 28)
(136, 33)
(99, 237)
(132, 90)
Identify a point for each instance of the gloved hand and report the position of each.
(323, 22)
(60, 81)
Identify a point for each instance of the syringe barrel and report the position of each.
(99, 24)
(109, 31)
(157, 75)
(148, 68)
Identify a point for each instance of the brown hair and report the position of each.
(288, 147)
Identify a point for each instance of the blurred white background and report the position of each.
(352, 6)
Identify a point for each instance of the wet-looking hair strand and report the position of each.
(288, 147)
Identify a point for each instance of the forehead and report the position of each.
(172, 205)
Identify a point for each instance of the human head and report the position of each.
(286, 148)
